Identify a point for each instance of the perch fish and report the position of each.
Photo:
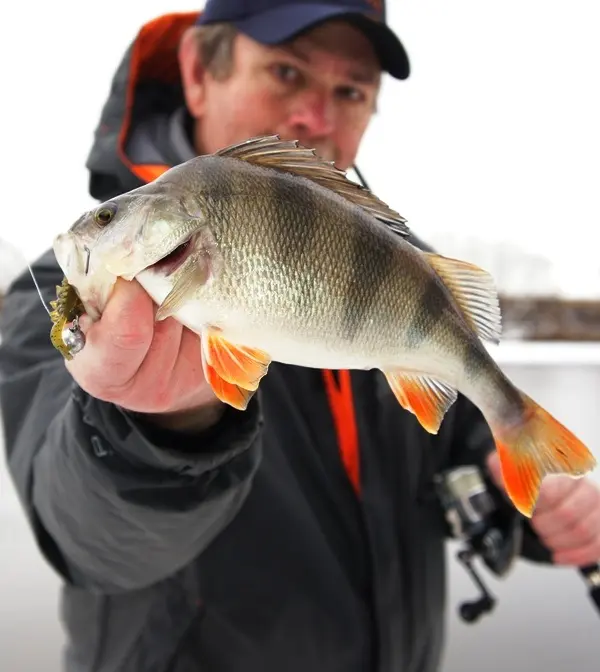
(271, 254)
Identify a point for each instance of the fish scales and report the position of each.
(316, 266)
(271, 254)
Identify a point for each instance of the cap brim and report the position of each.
(284, 23)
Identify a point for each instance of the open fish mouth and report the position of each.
(174, 259)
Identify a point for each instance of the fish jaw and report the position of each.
(92, 281)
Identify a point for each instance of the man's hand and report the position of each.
(566, 516)
(142, 365)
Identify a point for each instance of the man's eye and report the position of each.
(351, 93)
(286, 73)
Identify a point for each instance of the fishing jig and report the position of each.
(66, 334)
(73, 337)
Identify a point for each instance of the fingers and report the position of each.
(570, 525)
(152, 389)
(568, 512)
(132, 360)
(587, 554)
(583, 532)
(555, 490)
(117, 344)
(566, 517)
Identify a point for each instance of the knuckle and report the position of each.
(570, 516)
(583, 530)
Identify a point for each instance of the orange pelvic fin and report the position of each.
(540, 445)
(231, 394)
(232, 370)
(425, 396)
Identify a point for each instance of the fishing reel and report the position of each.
(492, 532)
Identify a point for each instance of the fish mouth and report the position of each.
(94, 301)
(93, 286)
(68, 255)
(168, 264)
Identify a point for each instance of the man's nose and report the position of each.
(312, 114)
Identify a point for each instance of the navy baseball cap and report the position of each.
(276, 21)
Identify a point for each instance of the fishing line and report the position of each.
(361, 178)
(39, 291)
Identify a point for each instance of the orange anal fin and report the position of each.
(426, 397)
(235, 364)
(540, 446)
(231, 394)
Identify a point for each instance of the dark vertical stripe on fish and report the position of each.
(220, 187)
(370, 265)
(429, 311)
(295, 232)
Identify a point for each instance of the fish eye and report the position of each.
(105, 214)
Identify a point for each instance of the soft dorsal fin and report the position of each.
(289, 156)
(474, 291)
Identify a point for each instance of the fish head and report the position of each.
(122, 237)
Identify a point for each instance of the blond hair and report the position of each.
(215, 45)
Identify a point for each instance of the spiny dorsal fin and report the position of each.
(289, 156)
(474, 290)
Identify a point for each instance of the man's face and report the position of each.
(321, 90)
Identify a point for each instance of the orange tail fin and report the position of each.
(538, 446)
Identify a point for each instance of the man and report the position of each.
(301, 534)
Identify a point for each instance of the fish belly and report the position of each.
(290, 343)
(290, 346)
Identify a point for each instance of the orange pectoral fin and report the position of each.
(426, 397)
(234, 363)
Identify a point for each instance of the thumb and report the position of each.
(117, 343)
